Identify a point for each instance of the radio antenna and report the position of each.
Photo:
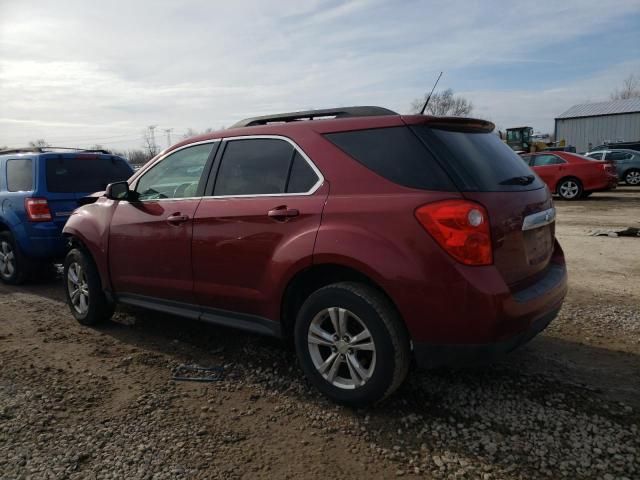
(424, 107)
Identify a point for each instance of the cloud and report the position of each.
(95, 70)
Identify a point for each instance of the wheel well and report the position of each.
(626, 172)
(569, 177)
(307, 281)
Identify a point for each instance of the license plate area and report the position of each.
(538, 244)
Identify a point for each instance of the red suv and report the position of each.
(369, 238)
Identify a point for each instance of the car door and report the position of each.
(259, 223)
(150, 236)
(549, 167)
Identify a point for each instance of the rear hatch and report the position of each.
(71, 177)
(487, 171)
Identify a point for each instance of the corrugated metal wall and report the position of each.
(580, 131)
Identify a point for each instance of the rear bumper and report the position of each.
(41, 240)
(433, 356)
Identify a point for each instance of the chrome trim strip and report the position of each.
(311, 191)
(539, 219)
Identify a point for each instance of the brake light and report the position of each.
(461, 228)
(37, 209)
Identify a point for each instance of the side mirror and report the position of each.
(118, 191)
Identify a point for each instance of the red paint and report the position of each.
(233, 255)
(593, 175)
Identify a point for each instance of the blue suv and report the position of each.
(39, 189)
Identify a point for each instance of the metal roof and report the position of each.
(629, 105)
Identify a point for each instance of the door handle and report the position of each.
(282, 213)
(177, 219)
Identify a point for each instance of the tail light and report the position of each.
(37, 209)
(460, 227)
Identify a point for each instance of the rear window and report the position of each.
(396, 154)
(478, 161)
(84, 175)
(20, 175)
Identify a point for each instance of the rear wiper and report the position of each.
(522, 180)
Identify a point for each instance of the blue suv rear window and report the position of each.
(84, 175)
(20, 175)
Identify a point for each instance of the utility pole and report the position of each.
(153, 138)
(168, 131)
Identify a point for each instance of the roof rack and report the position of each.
(49, 149)
(341, 112)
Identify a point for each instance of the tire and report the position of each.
(632, 177)
(570, 189)
(15, 268)
(83, 289)
(381, 364)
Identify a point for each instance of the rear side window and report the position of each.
(478, 161)
(263, 166)
(396, 154)
(84, 175)
(20, 175)
(619, 156)
(543, 160)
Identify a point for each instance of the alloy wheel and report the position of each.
(341, 348)
(569, 189)
(78, 288)
(633, 178)
(7, 260)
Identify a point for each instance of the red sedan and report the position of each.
(570, 175)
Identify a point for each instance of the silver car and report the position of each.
(627, 163)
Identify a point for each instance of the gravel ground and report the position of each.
(77, 402)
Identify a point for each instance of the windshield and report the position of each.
(84, 175)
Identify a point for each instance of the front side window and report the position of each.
(176, 176)
(20, 175)
(263, 166)
(544, 160)
(595, 156)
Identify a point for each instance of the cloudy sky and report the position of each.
(84, 72)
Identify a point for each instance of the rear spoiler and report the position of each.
(458, 124)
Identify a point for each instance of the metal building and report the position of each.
(597, 123)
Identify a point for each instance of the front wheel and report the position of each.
(351, 343)
(570, 189)
(83, 289)
(632, 177)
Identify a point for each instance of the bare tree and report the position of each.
(630, 89)
(40, 143)
(192, 132)
(443, 104)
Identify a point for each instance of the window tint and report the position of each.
(177, 175)
(542, 160)
(477, 161)
(302, 176)
(618, 156)
(20, 175)
(595, 156)
(254, 167)
(526, 158)
(396, 154)
(84, 175)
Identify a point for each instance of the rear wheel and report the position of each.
(14, 267)
(632, 177)
(570, 189)
(351, 344)
(83, 289)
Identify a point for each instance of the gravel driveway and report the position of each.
(78, 402)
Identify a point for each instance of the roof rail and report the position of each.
(341, 112)
(50, 149)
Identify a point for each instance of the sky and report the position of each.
(80, 73)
